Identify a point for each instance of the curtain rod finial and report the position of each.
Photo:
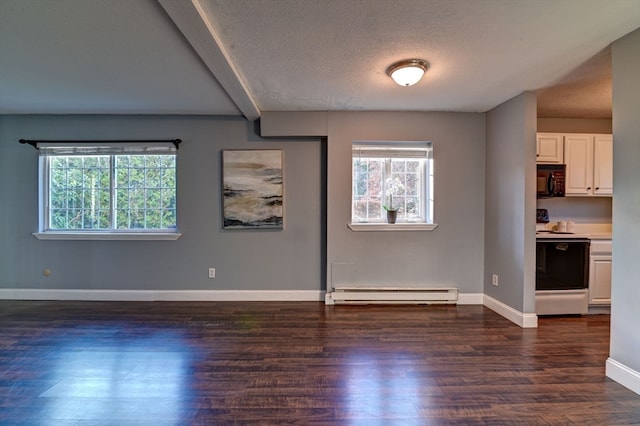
(32, 143)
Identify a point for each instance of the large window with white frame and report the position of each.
(392, 175)
(116, 188)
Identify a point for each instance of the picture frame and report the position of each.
(252, 182)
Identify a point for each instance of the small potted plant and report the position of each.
(393, 187)
(392, 212)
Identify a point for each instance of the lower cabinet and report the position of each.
(600, 272)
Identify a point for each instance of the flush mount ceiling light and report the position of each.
(407, 72)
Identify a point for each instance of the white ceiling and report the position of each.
(241, 57)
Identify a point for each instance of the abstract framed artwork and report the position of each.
(252, 189)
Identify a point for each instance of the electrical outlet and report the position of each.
(494, 280)
(212, 272)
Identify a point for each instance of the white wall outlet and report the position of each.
(494, 280)
(212, 272)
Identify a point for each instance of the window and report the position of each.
(114, 189)
(396, 175)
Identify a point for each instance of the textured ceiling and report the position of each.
(241, 57)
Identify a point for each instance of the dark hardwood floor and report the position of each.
(104, 363)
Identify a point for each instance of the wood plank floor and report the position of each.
(108, 363)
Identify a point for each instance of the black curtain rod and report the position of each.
(34, 143)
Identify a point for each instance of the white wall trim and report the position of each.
(529, 320)
(524, 320)
(622, 374)
(403, 226)
(163, 295)
(470, 298)
(98, 236)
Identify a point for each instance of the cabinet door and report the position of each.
(603, 165)
(600, 280)
(549, 148)
(578, 153)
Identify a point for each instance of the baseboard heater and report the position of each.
(391, 295)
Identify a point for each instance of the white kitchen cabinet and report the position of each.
(589, 160)
(603, 165)
(550, 148)
(600, 272)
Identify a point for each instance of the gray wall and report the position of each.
(625, 297)
(579, 209)
(244, 260)
(452, 254)
(510, 203)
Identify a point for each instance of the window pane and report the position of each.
(74, 178)
(104, 219)
(136, 199)
(412, 183)
(168, 161)
(58, 199)
(153, 219)
(59, 162)
(169, 198)
(145, 186)
(122, 219)
(367, 189)
(400, 182)
(153, 178)
(397, 166)
(152, 161)
(58, 219)
(136, 219)
(122, 198)
(80, 193)
(153, 199)
(74, 197)
(168, 218)
(136, 178)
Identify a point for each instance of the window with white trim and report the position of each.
(392, 175)
(108, 188)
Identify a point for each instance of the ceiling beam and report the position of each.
(192, 21)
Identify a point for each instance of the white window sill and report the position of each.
(140, 236)
(369, 227)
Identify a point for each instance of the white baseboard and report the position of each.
(470, 298)
(164, 295)
(524, 320)
(622, 374)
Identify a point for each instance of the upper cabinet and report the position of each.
(550, 148)
(603, 165)
(589, 160)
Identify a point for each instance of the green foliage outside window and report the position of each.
(112, 192)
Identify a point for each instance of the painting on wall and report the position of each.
(252, 193)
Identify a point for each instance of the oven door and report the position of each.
(562, 264)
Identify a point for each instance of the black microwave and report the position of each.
(550, 180)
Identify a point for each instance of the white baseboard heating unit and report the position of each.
(391, 295)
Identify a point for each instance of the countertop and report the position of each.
(592, 231)
(567, 235)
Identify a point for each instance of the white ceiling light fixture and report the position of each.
(407, 72)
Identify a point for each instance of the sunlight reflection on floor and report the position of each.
(132, 381)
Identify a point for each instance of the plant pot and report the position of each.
(392, 215)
